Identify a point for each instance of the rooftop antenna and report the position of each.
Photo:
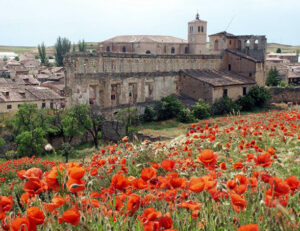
(230, 22)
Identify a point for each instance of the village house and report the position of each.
(13, 95)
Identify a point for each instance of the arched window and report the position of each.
(216, 45)
(172, 50)
(202, 29)
(247, 43)
(186, 50)
(148, 52)
(123, 49)
(199, 28)
(256, 44)
(108, 49)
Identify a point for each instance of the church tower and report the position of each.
(197, 32)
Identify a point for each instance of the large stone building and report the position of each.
(139, 70)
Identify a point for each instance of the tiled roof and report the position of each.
(219, 78)
(145, 39)
(19, 93)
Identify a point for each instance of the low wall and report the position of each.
(285, 94)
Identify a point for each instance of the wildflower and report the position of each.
(35, 216)
(20, 224)
(148, 173)
(238, 203)
(71, 216)
(168, 165)
(208, 158)
(251, 227)
(196, 184)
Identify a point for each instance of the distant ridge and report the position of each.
(272, 47)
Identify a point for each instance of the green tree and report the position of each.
(90, 119)
(42, 53)
(82, 46)
(5, 59)
(129, 117)
(62, 47)
(278, 50)
(17, 58)
(273, 76)
(185, 115)
(149, 114)
(31, 143)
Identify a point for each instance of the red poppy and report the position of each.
(148, 173)
(196, 184)
(20, 224)
(208, 158)
(119, 182)
(133, 204)
(35, 216)
(251, 227)
(71, 216)
(238, 203)
(168, 165)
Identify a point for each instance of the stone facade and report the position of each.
(112, 80)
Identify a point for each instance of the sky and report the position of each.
(30, 22)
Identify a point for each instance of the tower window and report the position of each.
(123, 49)
(191, 29)
(202, 29)
(108, 49)
(225, 92)
(199, 28)
(172, 50)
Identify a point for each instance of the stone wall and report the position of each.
(285, 95)
(115, 80)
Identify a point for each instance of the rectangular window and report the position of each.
(9, 107)
(199, 28)
(19, 105)
(43, 105)
(244, 90)
(225, 92)
(51, 105)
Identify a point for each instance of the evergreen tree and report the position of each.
(82, 46)
(272, 79)
(42, 53)
(278, 50)
(62, 47)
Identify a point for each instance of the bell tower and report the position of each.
(197, 33)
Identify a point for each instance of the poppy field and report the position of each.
(230, 173)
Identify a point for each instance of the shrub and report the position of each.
(224, 106)
(168, 107)
(201, 110)
(246, 103)
(185, 116)
(260, 95)
(149, 114)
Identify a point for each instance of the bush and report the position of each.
(149, 114)
(246, 103)
(260, 95)
(185, 116)
(224, 106)
(168, 107)
(201, 110)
